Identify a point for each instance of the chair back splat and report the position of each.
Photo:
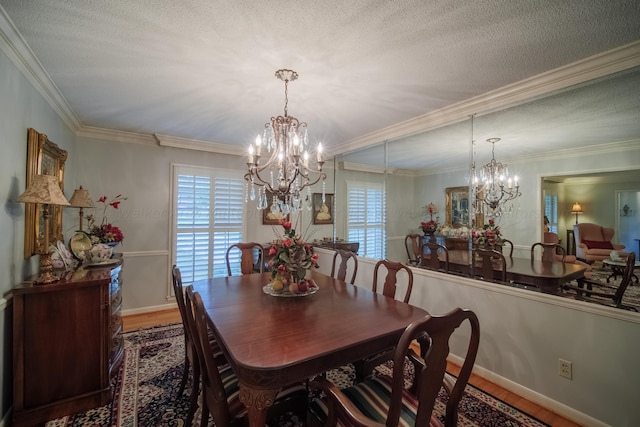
(248, 253)
(341, 272)
(413, 245)
(391, 279)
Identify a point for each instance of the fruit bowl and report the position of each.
(268, 289)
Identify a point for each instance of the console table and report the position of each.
(67, 343)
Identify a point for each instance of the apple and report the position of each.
(312, 283)
(293, 287)
(303, 286)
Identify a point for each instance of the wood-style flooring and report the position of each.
(165, 317)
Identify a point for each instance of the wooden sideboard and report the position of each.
(67, 343)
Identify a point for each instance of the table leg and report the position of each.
(257, 402)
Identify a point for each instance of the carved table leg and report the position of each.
(257, 402)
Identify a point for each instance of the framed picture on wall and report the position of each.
(322, 212)
(268, 217)
(43, 157)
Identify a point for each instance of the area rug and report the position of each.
(600, 273)
(145, 392)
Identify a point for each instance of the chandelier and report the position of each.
(286, 172)
(493, 186)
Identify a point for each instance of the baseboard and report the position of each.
(148, 309)
(533, 396)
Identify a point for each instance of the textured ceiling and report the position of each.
(204, 69)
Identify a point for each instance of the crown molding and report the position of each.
(111, 135)
(600, 65)
(20, 54)
(195, 144)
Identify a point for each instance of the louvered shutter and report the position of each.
(209, 216)
(366, 217)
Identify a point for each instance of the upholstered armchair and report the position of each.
(571, 259)
(595, 242)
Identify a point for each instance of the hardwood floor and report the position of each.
(166, 317)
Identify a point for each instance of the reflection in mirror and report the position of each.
(360, 201)
(592, 127)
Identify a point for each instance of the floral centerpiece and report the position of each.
(489, 236)
(430, 227)
(105, 232)
(290, 259)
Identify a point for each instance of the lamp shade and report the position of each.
(44, 189)
(81, 199)
(576, 208)
(431, 208)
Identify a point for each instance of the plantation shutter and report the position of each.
(209, 213)
(366, 217)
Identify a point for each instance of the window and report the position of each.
(209, 216)
(366, 218)
(551, 211)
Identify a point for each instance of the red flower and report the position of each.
(273, 250)
(102, 199)
(287, 243)
(115, 204)
(491, 221)
(287, 225)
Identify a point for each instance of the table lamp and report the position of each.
(81, 199)
(44, 190)
(576, 209)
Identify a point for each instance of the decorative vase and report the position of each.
(112, 244)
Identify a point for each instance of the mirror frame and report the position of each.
(42, 156)
(458, 193)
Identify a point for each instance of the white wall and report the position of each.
(524, 333)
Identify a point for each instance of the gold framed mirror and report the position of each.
(43, 157)
(458, 205)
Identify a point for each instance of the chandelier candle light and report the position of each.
(494, 187)
(287, 170)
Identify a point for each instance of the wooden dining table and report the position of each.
(272, 341)
(548, 276)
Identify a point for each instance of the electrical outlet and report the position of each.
(564, 369)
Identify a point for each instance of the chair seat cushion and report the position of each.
(371, 397)
(595, 244)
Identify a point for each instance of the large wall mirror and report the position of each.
(589, 128)
(43, 157)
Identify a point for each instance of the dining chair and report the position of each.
(493, 265)
(550, 252)
(341, 272)
(433, 261)
(191, 362)
(507, 244)
(248, 264)
(413, 245)
(364, 367)
(605, 294)
(220, 387)
(382, 400)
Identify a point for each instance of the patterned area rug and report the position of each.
(601, 272)
(145, 393)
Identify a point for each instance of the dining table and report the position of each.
(547, 276)
(272, 341)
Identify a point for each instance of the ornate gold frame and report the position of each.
(459, 193)
(43, 156)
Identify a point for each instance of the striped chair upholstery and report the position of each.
(384, 400)
(221, 381)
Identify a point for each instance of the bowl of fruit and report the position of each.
(282, 287)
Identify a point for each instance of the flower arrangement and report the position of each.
(430, 227)
(105, 232)
(488, 236)
(290, 259)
